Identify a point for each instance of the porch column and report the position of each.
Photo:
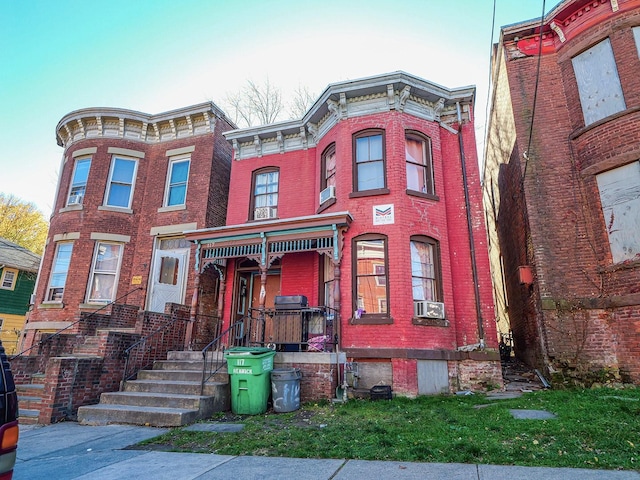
(221, 293)
(263, 286)
(336, 302)
(188, 338)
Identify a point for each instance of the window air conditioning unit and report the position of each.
(75, 200)
(263, 213)
(327, 194)
(427, 309)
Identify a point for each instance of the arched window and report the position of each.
(425, 269)
(370, 279)
(369, 169)
(419, 163)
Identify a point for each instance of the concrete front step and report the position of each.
(193, 356)
(153, 399)
(180, 375)
(174, 386)
(103, 414)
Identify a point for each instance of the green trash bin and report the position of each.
(250, 375)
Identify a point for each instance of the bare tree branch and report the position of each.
(301, 102)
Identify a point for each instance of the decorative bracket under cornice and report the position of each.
(556, 28)
(280, 141)
(303, 136)
(437, 108)
(391, 97)
(404, 96)
(236, 149)
(258, 145)
(614, 5)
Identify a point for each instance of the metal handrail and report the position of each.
(150, 348)
(239, 334)
(81, 319)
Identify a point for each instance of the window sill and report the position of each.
(51, 305)
(71, 208)
(370, 193)
(326, 205)
(371, 320)
(430, 322)
(429, 196)
(92, 305)
(172, 208)
(107, 208)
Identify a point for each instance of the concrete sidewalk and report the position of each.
(67, 451)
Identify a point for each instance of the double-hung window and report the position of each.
(369, 161)
(8, 278)
(105, 269)
(425, 269)
(177, 179)
(370, 279)
(329, 167)
(121, 182)
(265, 194)
(59, 271)
(598, 82)
(79, 181)
(419, 164)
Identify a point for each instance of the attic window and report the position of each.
(9, 277)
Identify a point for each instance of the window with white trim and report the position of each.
(79, 181)
(59, 271)
(8, 278)
(121, 182)
(105, 269)
(177, 180)
(598, 82)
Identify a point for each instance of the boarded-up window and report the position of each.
(598, 82)
(620, 198)
(636, 36)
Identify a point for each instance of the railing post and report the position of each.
(188, 337)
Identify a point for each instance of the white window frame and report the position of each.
(168, 186)
(56, 269)
(132, 183)
(94, 272)
(636, 37)
(12, 281)
(598, 82)
(77, 185)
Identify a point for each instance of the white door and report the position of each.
(168, 278)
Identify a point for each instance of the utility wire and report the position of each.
(527, 153)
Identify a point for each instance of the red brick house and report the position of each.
(130, 183)
(562, 189)
(366, 214)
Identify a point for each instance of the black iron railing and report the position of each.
(83, 318)
(309, 329)
(155, 346)
(242, 333)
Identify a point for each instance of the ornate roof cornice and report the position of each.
(126, 124)
(353, 98)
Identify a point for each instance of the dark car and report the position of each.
(8, 419)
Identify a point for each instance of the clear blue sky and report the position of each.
(57, 56)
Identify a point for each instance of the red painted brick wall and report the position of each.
(443, 219)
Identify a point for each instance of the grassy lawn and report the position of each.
(594, 429)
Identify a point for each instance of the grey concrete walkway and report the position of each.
(68, 451)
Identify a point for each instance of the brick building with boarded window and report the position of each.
(562, 189)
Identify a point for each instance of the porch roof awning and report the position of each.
(269, 239)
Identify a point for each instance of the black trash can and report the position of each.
(285, 389)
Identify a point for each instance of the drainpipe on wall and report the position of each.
(474, 267)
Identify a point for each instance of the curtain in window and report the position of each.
(423, 271)
(415, 155)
